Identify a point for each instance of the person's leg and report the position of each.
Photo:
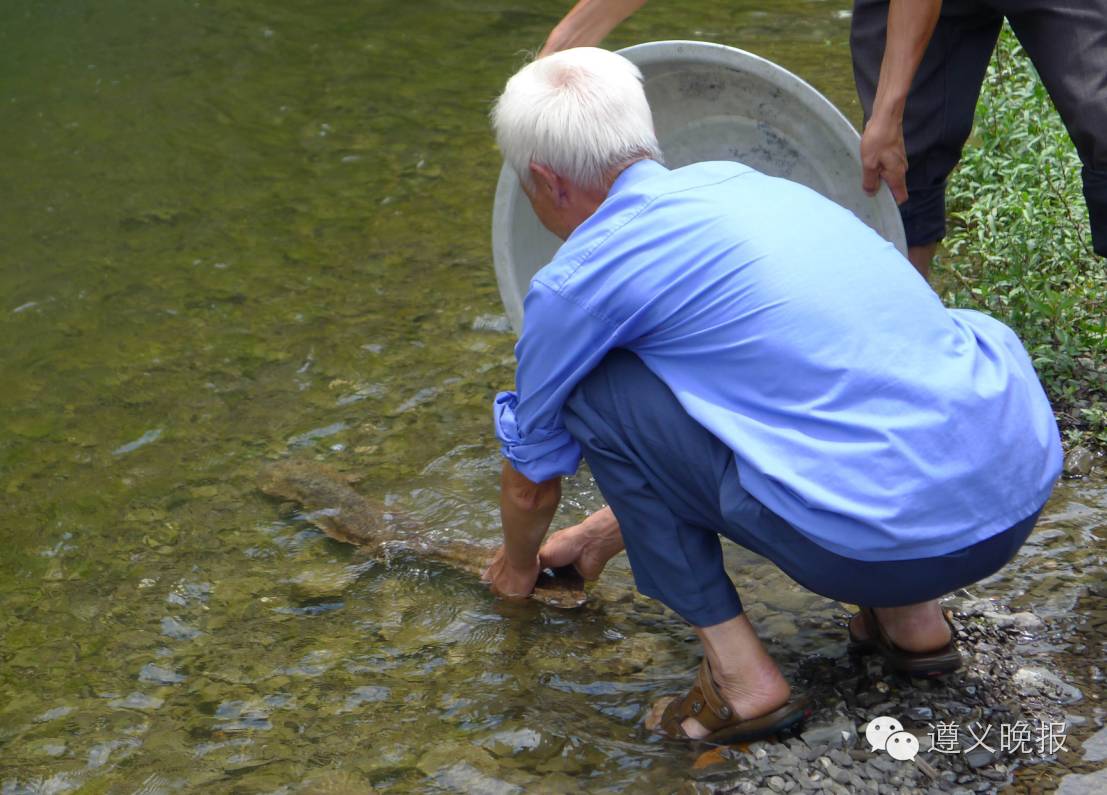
(659, 471)
(1067, 41)
(939, 112)
(903, 593)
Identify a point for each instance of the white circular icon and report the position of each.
(902, 746)
(880, 729)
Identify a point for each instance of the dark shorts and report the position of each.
(1066, 40)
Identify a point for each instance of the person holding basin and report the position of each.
(918, 66)
(735, 355)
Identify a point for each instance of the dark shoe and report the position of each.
(704, 703)
(921, 664)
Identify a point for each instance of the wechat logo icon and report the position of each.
(887, 734)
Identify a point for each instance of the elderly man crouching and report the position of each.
(734, 354)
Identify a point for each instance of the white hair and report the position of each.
(581, 113)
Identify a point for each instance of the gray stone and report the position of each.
(321, 582)
(1024, 621)
(976, 607)
(509, 743)
(155, 674)
(1090, 784)
(1095, 747)
(841, 758)
(463, 777)
(1078, 462)
(920, 714)
(776, 784)
(884, 764)
(839, 733)
(978, 757)
(1046, 683)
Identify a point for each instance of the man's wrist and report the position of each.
(888, 111)
(601, 524)
(521, 561)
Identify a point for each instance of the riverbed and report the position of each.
(236, 232)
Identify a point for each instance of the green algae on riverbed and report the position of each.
(236, 231)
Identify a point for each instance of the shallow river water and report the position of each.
(237, 231)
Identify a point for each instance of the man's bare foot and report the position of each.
(913, 628)
(744, 673)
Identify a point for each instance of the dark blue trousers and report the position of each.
(674, 488)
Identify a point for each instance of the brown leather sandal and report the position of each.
(921, 664)
(704, 703)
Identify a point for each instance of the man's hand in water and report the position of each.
(526, 509)
(508, 581)
(588, 545)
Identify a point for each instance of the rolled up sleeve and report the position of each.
(544, 453)
(560, 344)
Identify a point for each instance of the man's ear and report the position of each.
(549, 182)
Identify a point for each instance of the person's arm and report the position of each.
(561, 343)
(588, 23)
(526, 509)
(883, 156)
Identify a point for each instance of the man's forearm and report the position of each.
(588, 23)
(526, 510)
(910, 26)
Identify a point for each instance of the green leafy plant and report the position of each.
(1018, 245)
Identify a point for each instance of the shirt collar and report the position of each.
(635, 173)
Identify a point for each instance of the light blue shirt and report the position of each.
(877, 422)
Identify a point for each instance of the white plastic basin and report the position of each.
(712, 102)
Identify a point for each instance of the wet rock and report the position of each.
(365, 694)
(777, 626)
(555, 784)
(884, 764)
(509, 743)
(1095, 747)
(335, 782)
(155, 674)
(976, 607)
(979, 757)
(323, 582)
(840, 757)
(838, 733)
(53, 714)
(463, 777)
(1039, 680)
(139, 701)
(833, 771)
(1079, 462)
(1027, 622)
(920, 714)
(177, 630)
(776, 784)
(498, 324)
(1090, 784)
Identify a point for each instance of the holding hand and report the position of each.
(506, 580)
(883, 157)
(588, 545)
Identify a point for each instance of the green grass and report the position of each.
(1019, 246)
